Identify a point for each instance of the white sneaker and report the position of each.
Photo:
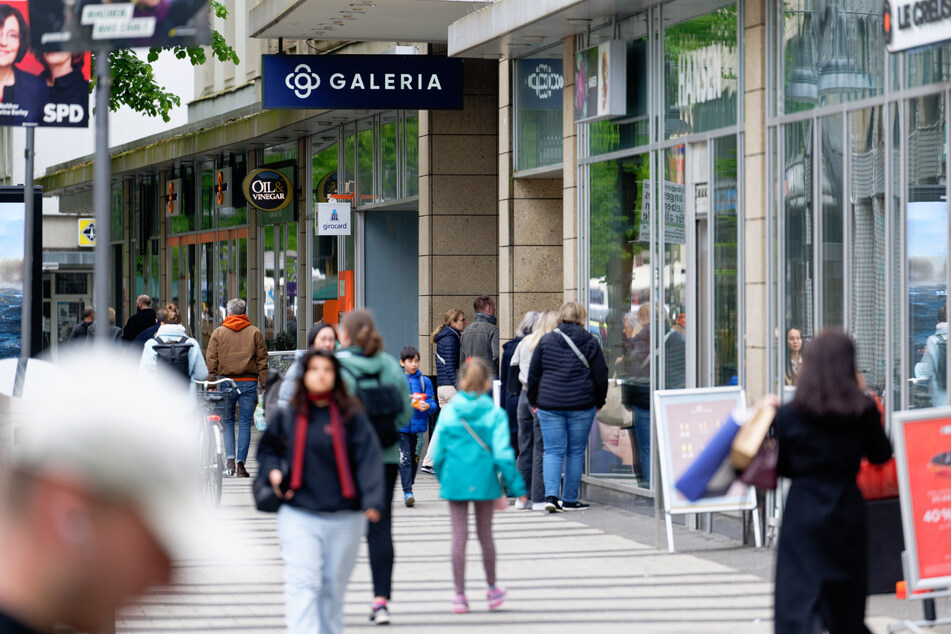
(539, 506)
(523, 506)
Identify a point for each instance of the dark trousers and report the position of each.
(409, 460)
(380, 539)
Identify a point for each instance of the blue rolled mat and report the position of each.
(696, 479)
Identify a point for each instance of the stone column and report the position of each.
(754, 204)
(458, 194)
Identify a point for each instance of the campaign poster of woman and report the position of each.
(49, 89)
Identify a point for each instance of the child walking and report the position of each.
(471, 451)
(424, 404)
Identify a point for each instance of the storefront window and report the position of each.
(539, 83)
(700, 69)
(725, 270)
(117, 225)
(187, 220)
(832, 227)
(365, 171)
(412, 157)
(833, 52)
(389, 156)
(324, 270)
(236, 213)
(927, 243)
(928, 65)
(618, 305)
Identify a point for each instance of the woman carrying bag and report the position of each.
(323, 459)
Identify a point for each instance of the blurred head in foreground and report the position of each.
(98, 496)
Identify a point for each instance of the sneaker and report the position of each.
(575, 506)
(427, 470)
(539, 506)
(409, 499)
(552, 505)
(495, 597)
(379, 614)
(522, 506)
(229, 468)
(241, 472)
(460, 605)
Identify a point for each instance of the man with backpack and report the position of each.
(172, 351)
(236, 351)
(934, 362)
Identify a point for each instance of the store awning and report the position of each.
(359, 20)
(508, 27)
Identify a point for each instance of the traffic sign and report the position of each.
(87, 232)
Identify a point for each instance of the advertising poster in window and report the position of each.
(48, 89)
(923, 452)
(12, 215)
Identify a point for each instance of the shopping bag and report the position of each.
(751, 435)
(761, 472)
(711, 473)
(260, 422)
(613, 412)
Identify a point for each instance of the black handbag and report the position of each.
(512, 383)
(264, 498)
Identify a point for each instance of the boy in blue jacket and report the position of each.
(424, 404)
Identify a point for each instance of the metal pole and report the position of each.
(102, 175)
(26, 318)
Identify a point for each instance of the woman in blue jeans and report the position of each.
(567, 384)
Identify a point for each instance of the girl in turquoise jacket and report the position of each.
(471, 451)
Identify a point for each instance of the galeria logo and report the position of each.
(302, 81)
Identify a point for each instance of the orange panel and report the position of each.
(173, 242)
(331, 309)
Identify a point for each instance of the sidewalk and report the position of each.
(565, 573)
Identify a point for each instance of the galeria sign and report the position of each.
(268, 189)
(913, 23)
(362, 81)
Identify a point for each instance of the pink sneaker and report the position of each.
(460, 605)
(495, 597)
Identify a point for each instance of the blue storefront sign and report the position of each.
(540, 84)
(362, 81)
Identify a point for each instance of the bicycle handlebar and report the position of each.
(207, 384)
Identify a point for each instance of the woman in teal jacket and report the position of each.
(471, 450)
(362, 353)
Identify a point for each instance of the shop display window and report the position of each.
(539, 84)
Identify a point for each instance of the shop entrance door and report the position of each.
(391, 275)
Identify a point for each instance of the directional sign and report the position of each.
(87, 232)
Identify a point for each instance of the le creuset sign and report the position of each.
(362, 81)
(913, 23)
(267, 189)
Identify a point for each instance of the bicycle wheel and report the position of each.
(217, 463)
(205, 457)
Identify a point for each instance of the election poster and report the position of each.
(48, 89)
(80, 25)
(923, 453)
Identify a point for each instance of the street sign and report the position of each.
(87, 232)
(333, 219)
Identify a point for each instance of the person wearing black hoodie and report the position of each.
(567, 383)
(323, 458)
(142, 319)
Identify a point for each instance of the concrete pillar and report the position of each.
(754, 199)
(458, 194)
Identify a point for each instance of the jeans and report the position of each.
(409, 459)
(531, 449)
(319, 552)
(642, 434)
(246, 398)
(565, 433)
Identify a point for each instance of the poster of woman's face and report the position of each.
(50, 89)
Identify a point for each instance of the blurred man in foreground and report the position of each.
(97, 497)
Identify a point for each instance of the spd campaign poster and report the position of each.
(49, 89)
(923, 448)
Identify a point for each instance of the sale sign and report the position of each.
(924, 473)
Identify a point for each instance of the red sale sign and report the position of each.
(924, 471)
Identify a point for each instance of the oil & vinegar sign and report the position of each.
(923, 452)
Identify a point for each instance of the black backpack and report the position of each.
(941, 372)
(173, 354)
(383, 403)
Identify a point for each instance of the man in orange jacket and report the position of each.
(236, 350)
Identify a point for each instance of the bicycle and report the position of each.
(211, 443)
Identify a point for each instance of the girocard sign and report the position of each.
(601, 82)
(913, 23)
(67, 25)
(362, 81)
(268, 189)
(48, 89)
(333, 219)
(923, 456)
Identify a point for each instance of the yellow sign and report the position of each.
(87, 232)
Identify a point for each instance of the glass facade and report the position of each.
(539, 84)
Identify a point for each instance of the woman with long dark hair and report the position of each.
(22, 94)
(793, 355)
(332, 484)
(823, 435)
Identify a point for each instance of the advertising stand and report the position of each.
(923, 456)
(686, 421)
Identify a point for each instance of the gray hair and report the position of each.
(527, 324)
(237, 307)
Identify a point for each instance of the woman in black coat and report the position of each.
(823, 434)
